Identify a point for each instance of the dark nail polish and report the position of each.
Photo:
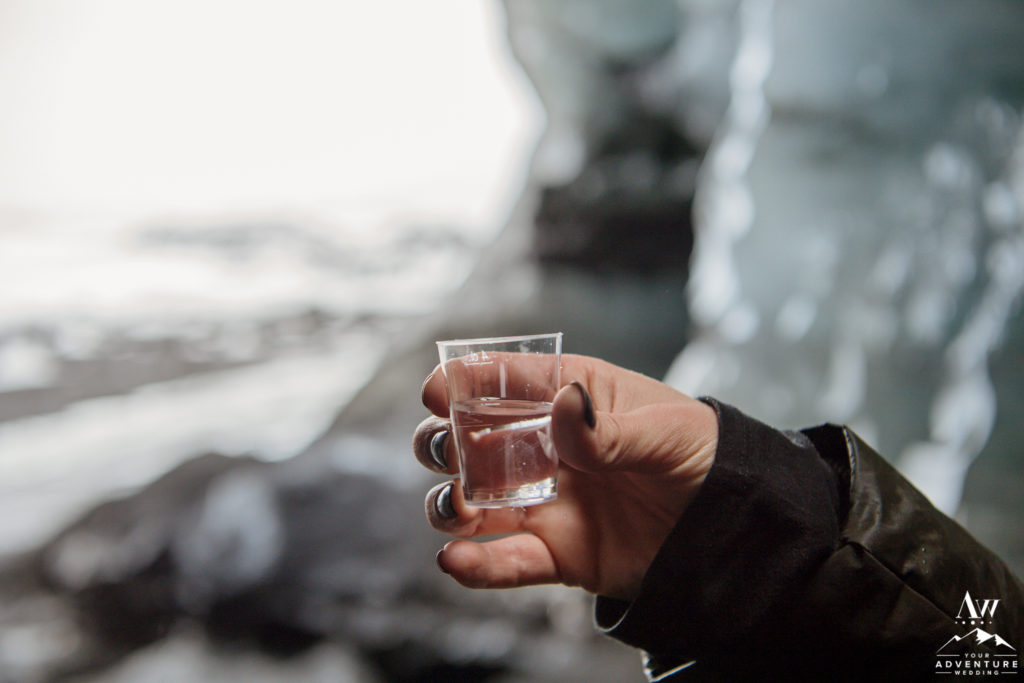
(437, 449)
(443, 502)
(437, 558)
(588, 406)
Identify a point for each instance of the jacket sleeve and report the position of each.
(806, 555)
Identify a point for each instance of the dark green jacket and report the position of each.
(807, 557)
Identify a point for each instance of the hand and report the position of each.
(633, 453)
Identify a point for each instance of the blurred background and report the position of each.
(230, 232)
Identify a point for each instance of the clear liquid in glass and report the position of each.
(507, 457)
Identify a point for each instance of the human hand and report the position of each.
(633, 453)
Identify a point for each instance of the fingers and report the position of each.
(434, 446)
(510, 562)
(447, 511)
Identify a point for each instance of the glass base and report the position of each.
(542, 491)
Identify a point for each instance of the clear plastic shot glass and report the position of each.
(499, 394)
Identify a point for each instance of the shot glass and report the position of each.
(499, 394)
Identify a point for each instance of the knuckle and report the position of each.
(614, 440)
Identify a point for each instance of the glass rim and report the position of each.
(499, 340)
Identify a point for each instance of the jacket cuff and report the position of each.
(767, 514)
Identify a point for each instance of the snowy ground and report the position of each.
(214, 216)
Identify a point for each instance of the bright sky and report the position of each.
(385, 106)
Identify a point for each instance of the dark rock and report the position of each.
(277, 558)
(632, 95)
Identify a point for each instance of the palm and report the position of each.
(590, 542)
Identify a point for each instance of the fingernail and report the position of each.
(443, 502)
(437, 449)
(437, 558)
(588, 406)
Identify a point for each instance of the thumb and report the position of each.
(660, 437)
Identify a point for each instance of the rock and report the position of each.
(274, 560)
(632, 95)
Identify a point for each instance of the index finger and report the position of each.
(434, 393)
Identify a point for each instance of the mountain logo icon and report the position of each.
(978, 637)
